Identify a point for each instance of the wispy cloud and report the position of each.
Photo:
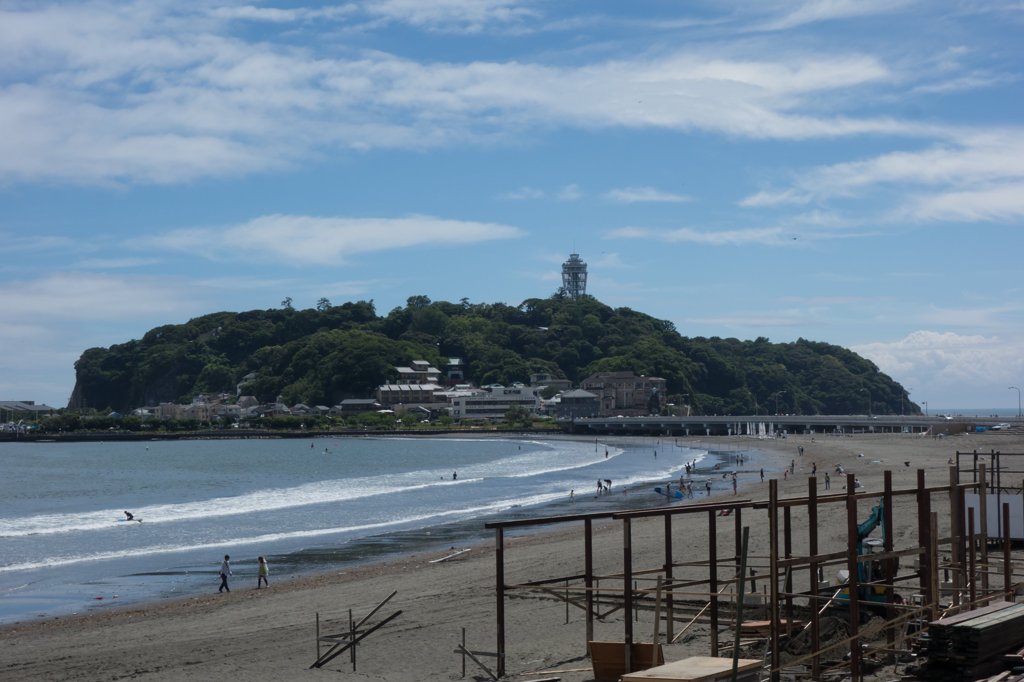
(115, 263)
(570, 193)
(523, 194)
(1001, 203)
(813, 11)
(277, 15)
(975, 176)
(98, 297)
(985, 317)
(302, 240)
(771, 235)
(757, 320)
(459, 16)
(632, 195)
(775, 198)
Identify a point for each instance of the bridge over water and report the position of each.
(768, 425)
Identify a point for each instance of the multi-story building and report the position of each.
(626, 393)
(420, 372)
(495, 401)
(396, 394)
(578, 403)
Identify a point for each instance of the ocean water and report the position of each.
(307, 505)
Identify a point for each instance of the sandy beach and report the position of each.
(270, 633)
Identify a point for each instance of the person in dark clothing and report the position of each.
(225, 571)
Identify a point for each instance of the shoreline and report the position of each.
(270, 632)
(401, 546)
(128, 587)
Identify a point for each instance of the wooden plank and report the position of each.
(450, 556)
(695, 669)
(974, 613)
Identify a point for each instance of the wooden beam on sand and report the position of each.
(347, 641)
(812, 571)
(773, 574)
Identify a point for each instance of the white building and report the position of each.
(496, 401)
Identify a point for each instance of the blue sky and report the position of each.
(843, 171)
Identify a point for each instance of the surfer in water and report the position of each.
(129, 516)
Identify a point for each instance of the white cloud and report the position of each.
(975, 176)
(276, 15)
(1001, 203)
(977, 158)
(631, 195)
(301, 240)
(463, 16)
(770, 235)
(974, 367)
(151, 93)
(974, 81)
(812, 11)
(769, 198)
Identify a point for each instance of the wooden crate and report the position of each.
(609, 658)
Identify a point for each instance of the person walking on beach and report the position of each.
(734, 484)
(828, 482)
(225, 571)
(707, 486)
(262, 573)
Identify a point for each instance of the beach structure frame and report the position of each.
(952, 569)
(348, 641)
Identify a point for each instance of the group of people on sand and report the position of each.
(262, 573)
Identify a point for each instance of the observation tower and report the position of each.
(574, 277)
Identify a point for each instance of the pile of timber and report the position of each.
(971, 645)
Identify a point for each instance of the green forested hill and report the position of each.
(321, 356)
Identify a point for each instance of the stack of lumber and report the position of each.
(971, 645)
